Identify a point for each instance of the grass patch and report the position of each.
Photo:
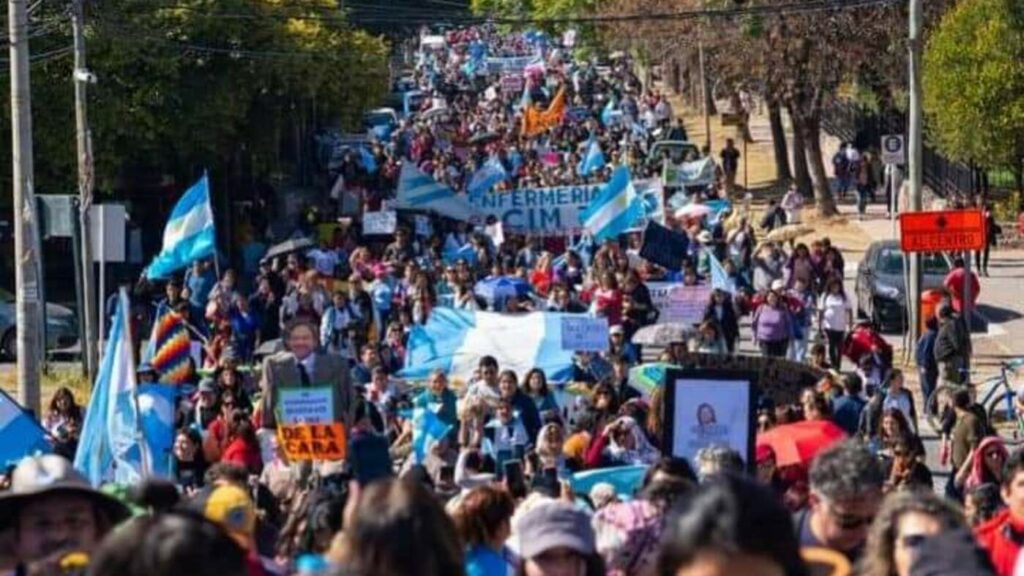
(55, 379)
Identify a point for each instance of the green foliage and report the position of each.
(974, 83)
(188, 83)
(1007, 209)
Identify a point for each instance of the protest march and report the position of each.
(510, 337)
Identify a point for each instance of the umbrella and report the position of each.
(663, 334)
(497, 290)
(484, 138)
(800, 442)
(789, 232)
(693, 211)
(434, 113)
(646, 378)
(289, 246)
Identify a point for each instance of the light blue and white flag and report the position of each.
(487, 177)
(417, 191)
(368, 160)
(593, 158)
(156, 404)
(109, 449)
(527, 98)
(20, 433)
(615, 209)
(610, 114)
(720, 279)
(189, 234)
(427, 428)
(454, 340)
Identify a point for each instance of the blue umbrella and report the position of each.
(496, 290)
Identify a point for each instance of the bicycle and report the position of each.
(999, 400)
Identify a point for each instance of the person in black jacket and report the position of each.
(722, 311)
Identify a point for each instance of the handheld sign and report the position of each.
(663, 246)
(313, 441)
(942, 231)
(584, 334)
(380, 223)
(306, 405)
(709, 408)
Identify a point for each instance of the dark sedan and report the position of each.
(880, 288)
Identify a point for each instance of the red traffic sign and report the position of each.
(942, 231)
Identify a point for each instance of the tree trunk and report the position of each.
(800, 174)
(816, 166)
(782, 173)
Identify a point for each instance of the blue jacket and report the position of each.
(846, 411)
(924, 355)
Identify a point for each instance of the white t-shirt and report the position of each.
(834, 308)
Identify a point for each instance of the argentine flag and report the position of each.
(454, 340)
(20, 433)
(593, 158)
(609, 114)
(487, 177)
(417, 191)
(368, 160)
(615, 209)
(189, 234)
(719, 277)
(109, 450)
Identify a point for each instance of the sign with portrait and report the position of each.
(706, 408)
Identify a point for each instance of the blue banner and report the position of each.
(508, 65)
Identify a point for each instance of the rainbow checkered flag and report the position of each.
(171, 347)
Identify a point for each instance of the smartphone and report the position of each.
(514, 479)
(369, 457)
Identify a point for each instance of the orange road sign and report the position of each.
(942, 231)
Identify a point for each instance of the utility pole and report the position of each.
(26, 279)
(914, 162)
(81, 77)
(704, 95)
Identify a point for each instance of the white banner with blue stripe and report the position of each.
(418, 191)
(455, 340)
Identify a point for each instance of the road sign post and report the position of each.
(893, 149)
(946, 231)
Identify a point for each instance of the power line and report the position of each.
(441, 16)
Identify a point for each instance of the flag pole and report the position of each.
(140, 436)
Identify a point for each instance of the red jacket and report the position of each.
(241, 453)
(1001, 537)
(954, 284)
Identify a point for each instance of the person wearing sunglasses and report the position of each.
(846, 491)
(904, 522)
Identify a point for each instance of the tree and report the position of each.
(974, 85)
(184, 84)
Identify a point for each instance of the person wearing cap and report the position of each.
(303, 366)
(556, 539)
(231, 507)
(618, 345)
(50, 507)
(206, 407)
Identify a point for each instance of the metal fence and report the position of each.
(865, 128)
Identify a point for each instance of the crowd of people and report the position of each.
(494, 493)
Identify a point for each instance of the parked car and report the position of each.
(61, 327)
(676, 150)
(880, 290)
